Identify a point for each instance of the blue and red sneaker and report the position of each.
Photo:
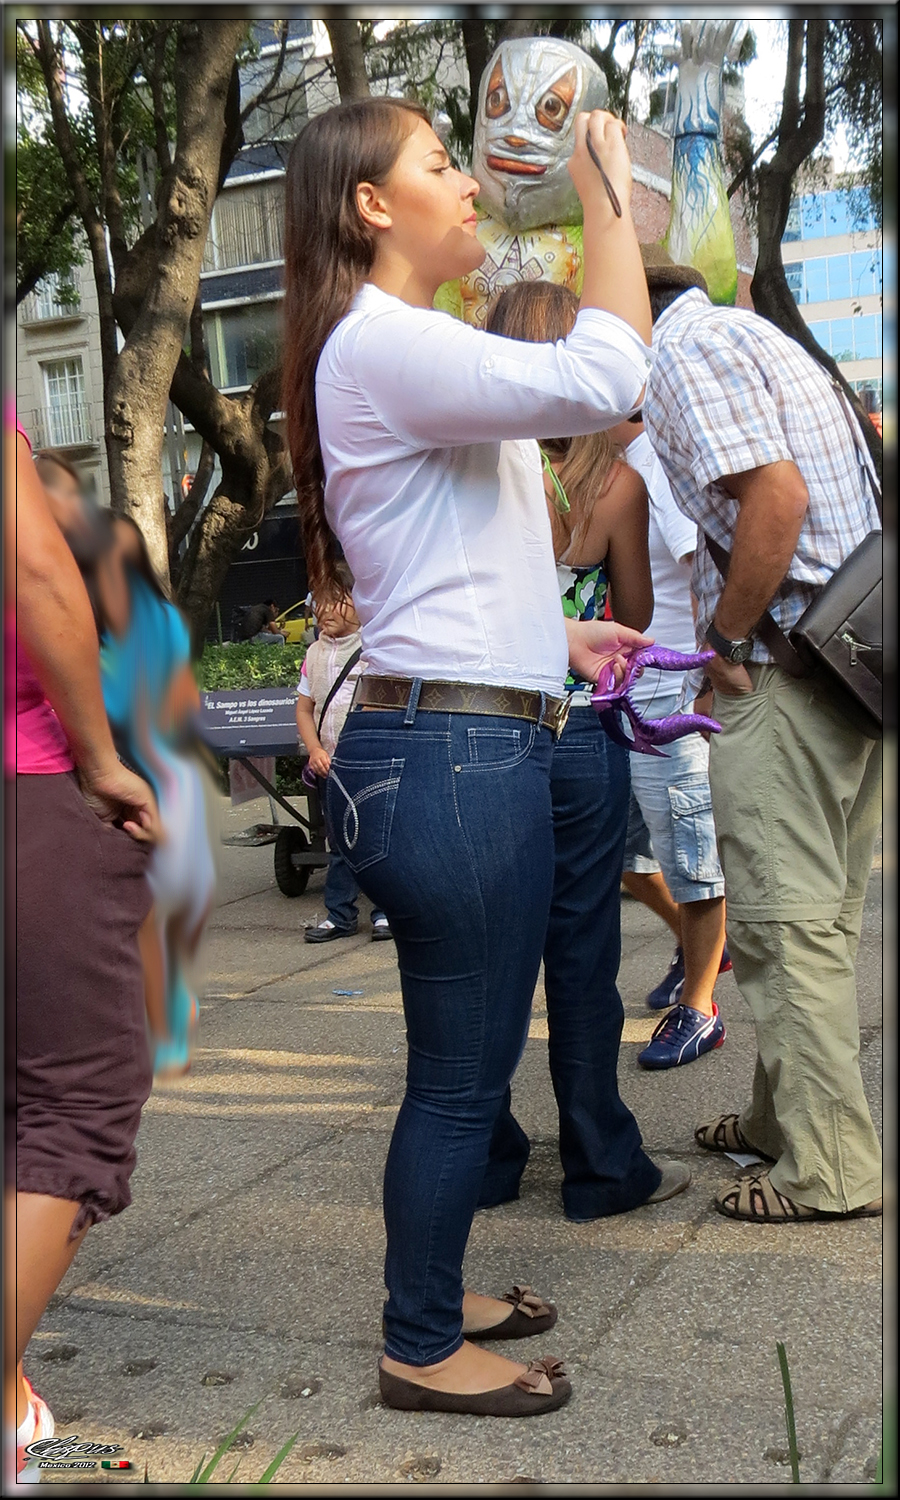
(668, 991)
(682, 1036)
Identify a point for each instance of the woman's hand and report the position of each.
(319, 761)
(598, 643)
(608, 140)
(115, 794)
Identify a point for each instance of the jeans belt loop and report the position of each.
(413, 702)
(542, 711)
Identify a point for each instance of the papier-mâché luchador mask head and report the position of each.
(529, 95)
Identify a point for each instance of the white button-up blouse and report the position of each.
(434, 489)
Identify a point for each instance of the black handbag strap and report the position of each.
(864, 458)
(338, 683)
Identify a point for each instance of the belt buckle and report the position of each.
(562, 716)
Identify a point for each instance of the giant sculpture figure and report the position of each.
(530, 219)
(529, 213)
(699, 232)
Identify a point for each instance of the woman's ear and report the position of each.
(372, 206)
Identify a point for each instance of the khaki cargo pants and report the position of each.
(797, 804)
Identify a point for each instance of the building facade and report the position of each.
(834, 260)
(59, 374)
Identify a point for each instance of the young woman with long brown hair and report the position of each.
(599, 519)
(412, 442)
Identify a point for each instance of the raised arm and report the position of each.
(614, 276)
(437, 383)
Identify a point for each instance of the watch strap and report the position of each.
(725, 648)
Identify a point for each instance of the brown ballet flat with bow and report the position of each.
(530, 1315)
(543, 1387)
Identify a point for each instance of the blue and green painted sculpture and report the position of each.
(700, 232)
(530, 218)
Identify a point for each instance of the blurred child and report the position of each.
(151, 697)
(324, 694)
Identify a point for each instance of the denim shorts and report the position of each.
(674, 799)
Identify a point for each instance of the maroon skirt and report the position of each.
(83, 1067)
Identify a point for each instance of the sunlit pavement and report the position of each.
(249, 1268)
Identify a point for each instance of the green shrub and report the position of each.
(243, 665)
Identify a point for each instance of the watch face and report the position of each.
(740, 651)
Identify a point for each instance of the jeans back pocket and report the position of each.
(360, 799)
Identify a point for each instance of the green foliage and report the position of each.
(243, 665)
(789, 1413)
(854, 81)
(204, 1471)
(120, 50)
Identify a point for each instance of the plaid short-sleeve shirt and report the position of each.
(729, 392)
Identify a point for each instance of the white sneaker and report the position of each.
(37, 1423)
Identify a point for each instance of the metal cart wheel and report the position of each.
(291, 876)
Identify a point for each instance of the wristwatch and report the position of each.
(733, 651)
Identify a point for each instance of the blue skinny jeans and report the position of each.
(445, 821)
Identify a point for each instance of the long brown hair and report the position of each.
(542, 312)
(329, 250)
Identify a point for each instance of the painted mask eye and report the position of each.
(553, 107)
(497, 99)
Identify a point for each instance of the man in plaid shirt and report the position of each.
(758, 450)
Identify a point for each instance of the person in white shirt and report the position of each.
(413, 442)
(673, 798)
(331, 668)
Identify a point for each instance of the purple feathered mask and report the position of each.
(612, 702)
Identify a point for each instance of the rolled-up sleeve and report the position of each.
(436, 383)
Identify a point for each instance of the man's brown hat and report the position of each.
(661, 270)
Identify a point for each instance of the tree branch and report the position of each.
(265, 93)
(53, 73)
(36, 272)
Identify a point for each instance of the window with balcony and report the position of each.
(65, 421)
(54, 297)
(247, 226)
(243, 343)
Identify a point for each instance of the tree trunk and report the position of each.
(349, 60)
(478, 51)
(138, 388)
(255, 475)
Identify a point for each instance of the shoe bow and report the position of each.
(524, 1301)
(539, 1377)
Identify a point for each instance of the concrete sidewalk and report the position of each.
(249, 1268)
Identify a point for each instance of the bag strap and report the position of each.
(862, 453)
(338, 683)
(766, 628)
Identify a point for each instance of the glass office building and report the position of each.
(834, 260)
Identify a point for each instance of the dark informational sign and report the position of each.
(250, 721)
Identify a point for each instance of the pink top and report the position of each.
(41, 747)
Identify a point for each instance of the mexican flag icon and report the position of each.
(115, 1463)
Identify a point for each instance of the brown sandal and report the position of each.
(757, 1200)
(543, 1387)
(530, 1315)
(725, 1134)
